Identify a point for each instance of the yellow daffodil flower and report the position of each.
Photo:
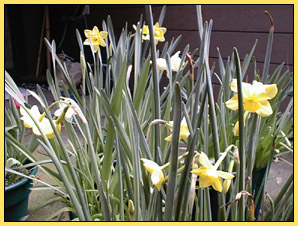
(236, 127)
(43, 122)
(209, 175)
(158, 33)
(184, 132)
(255, 97)
(175, 63)
(157, 176)
(97, 38)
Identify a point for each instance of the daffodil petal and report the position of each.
(232, 103)
(163, 30)
(161, 64)
(245, 86)
(102, 43)
(204, 182)
(103, 34)
(203, 160)
(87, 33)
(157, 179)
(150, 165)
(200, 171)
(217, 184)
(225, 175)
(270, 92)
(95, 30)
(226, 185)
(169, 138)
(236, 129)
(265, 109)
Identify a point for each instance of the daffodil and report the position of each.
(158, 33)
(42, 121)
(209, 175)
(70, 113)
(72, 110)
(97, 38)
(255, 97)
(184, 131)
(175, 62)
(157, 176)
(236, 127)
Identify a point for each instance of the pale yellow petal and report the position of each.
(236, 129)
(203, 160)
(102, 43)
(233, 103)
(270, 92)
(265, 108)
(225, 175)
(157, 179)
(204, 182)
(95, 30)
(200, 171)
(169, 138)
(150, 165)
(217, 184)
(103, 34)
(163, 30)
(245, 86)
(226, 185)
(87, 33)
(86, 42)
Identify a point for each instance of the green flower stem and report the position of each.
(241, 213)
(165, 166)
(252, 147)
(155, 84)
(95, 166)
(182, 191)
(221, 198)
(174, 155)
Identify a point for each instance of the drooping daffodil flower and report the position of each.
(97, 38)
(236, 127)
(70, 113)
(157, 176)
(72, 110)
(208, 173)
(158, 33)
(42, 121)
(255, 97)
(184, 131)
(175, 62)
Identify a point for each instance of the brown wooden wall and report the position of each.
(233, 26)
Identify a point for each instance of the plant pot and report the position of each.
(257, 177)
(16, 198)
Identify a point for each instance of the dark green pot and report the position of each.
(258, 175)
(16, 198)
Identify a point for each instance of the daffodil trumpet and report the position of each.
(208, 173)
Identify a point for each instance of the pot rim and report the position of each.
(21, 182)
